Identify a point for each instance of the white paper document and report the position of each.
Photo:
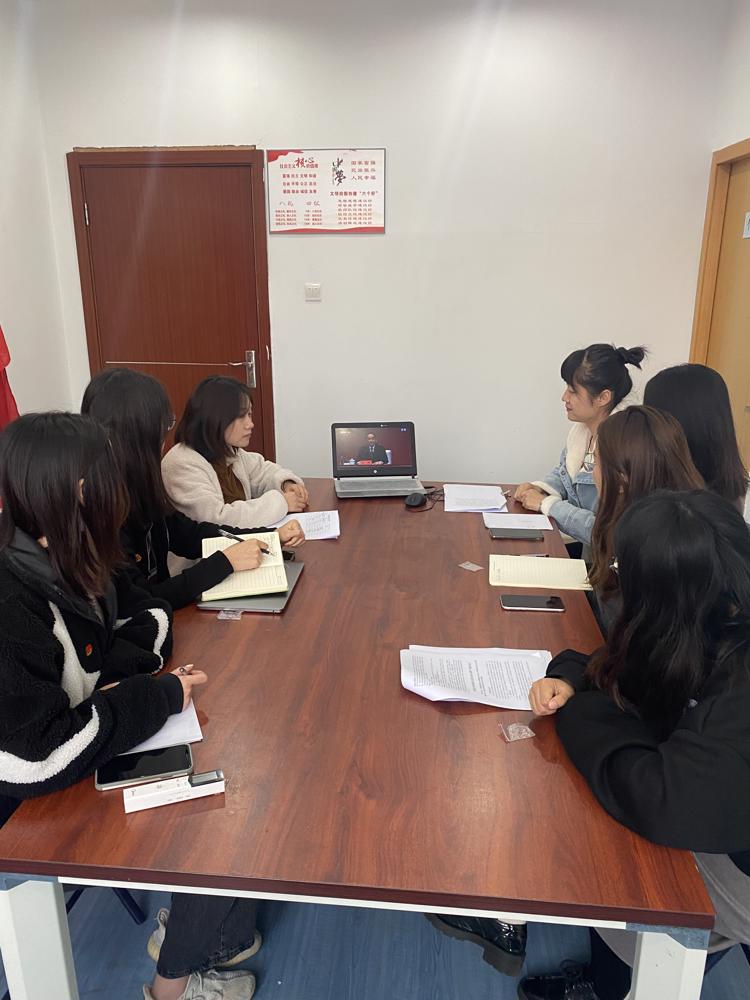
(182, 728)
(537, 522)
(316, 524)
(499, 677)
(546, 574)
(459, 497)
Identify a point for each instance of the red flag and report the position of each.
(8, 408)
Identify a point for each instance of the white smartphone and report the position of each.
(531, 602)
(145, 765)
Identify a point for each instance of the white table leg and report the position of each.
(35, 942)
(666, 970)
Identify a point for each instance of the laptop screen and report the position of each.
(366, 450)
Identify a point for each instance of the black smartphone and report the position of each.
(531, 534)
(145, 765)
(531, 602)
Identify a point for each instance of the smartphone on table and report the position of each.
(531, 602)
(145, 765)
(530, 534)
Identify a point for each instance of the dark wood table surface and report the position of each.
(342, 784)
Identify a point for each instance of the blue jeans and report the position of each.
(205, 931)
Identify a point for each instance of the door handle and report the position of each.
(249, 366)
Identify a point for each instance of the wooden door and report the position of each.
(174, 274)
(721, 336)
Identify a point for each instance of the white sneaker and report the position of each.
(215, 986)
(157, 940)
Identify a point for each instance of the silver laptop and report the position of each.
(269, 604)
(377, 459)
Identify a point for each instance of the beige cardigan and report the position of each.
(193, 487)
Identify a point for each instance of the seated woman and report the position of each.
(658, 720)
(79, 650)
(641, 450)
(596, 382)
(135, 410)
(697, 396)
(208, 474)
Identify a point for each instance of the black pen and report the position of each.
(238, 538)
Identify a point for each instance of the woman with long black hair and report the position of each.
(658, 720)
(697, 396)
(79, 648)
(135, 409)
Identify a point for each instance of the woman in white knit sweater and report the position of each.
(208, 474)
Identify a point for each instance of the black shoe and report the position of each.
(572, 983)
(504, 945)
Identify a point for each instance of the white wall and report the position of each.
(547, 166)
(733, 110)
(29, 292)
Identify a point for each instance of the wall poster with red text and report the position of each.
(326, 190)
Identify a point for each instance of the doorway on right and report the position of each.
(721, 327)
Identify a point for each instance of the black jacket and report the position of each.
(689, 790)
(147, 548)
(56, 726)
(379, 454)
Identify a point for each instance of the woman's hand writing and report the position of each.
(245, 555)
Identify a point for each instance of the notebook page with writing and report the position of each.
(547, 574)
(268, 578)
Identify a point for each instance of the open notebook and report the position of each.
(550, 574)
(268, 578)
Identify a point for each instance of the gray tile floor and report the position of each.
(338, 953)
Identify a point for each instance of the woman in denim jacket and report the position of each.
(596, 382)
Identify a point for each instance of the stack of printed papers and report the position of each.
(460, 497)
(499, 677)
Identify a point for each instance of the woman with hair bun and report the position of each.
(596, 383)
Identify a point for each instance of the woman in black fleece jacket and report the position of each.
(135, 409)
(658, 720)
(78, 654)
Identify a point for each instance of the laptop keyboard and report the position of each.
(396, 486)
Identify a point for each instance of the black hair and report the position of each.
(600, 367)
(697, 396)
(135, 409)
(216, 402)
(684, 572)
(43, 458)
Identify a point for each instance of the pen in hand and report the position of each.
(245, 538)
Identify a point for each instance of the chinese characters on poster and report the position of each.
(326, 190)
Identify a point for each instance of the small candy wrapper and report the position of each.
(472, 567)
(229, 616)
(515, 731)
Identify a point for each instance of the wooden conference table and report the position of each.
(343, 787)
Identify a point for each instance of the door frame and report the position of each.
(713, 228)
(180, 156)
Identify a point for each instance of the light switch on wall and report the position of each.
(312, 292)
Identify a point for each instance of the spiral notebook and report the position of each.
(268, 578)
